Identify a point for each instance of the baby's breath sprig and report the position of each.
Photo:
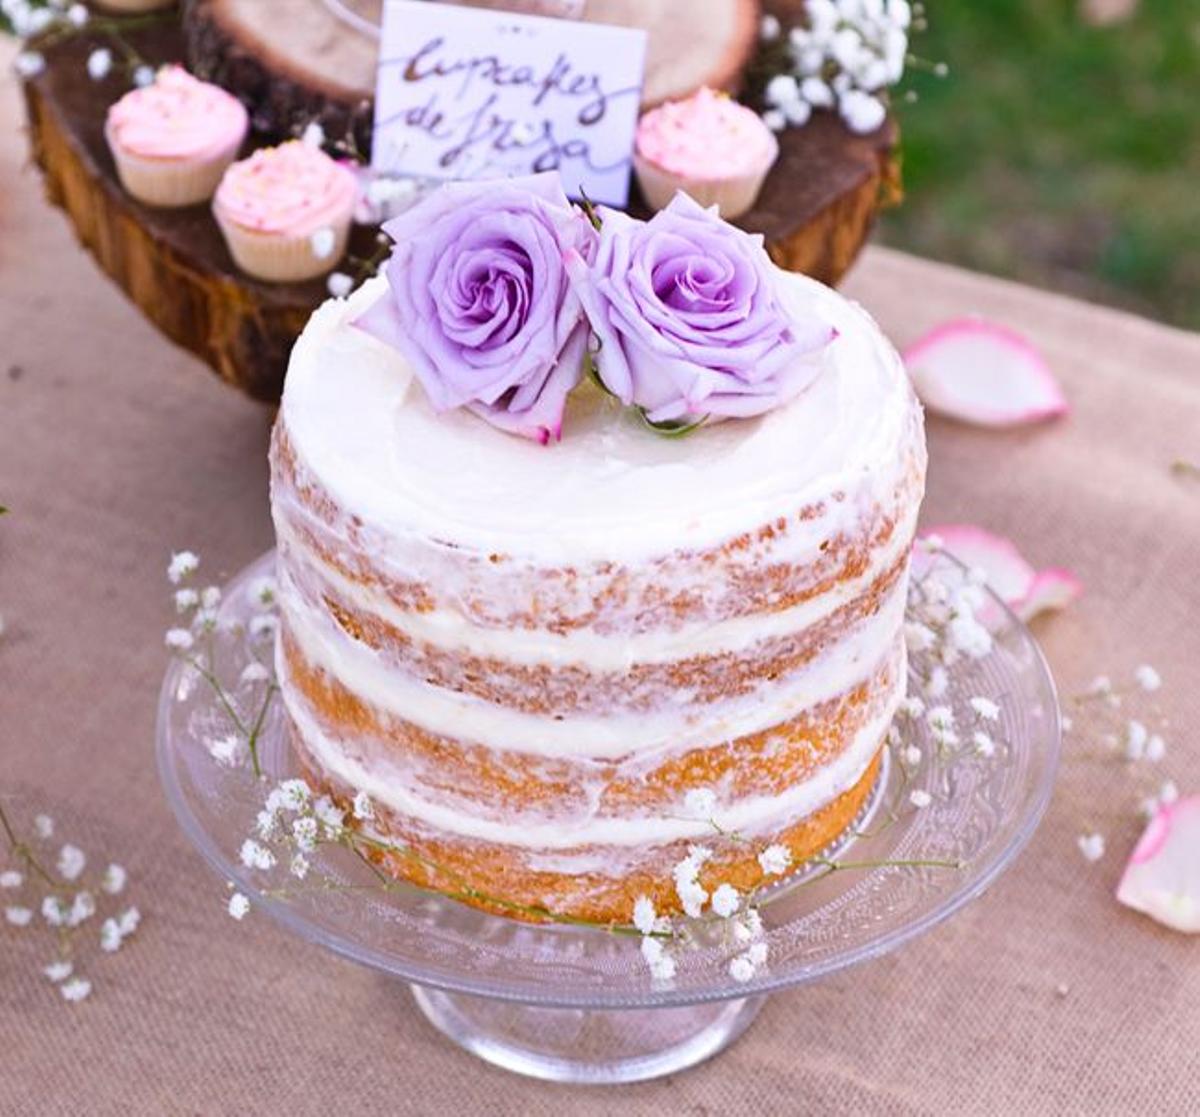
(62, 901)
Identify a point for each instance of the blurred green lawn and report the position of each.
(1059, 154)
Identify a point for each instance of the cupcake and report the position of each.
(286, 211)
(173, 140)
(709, 146)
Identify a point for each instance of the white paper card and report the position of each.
(476, 93)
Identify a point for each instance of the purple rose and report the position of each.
(689, 318)
(480, 303)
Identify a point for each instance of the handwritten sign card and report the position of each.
(476, 93)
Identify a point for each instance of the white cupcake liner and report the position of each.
(278, 258)
(168, 183)
(733, 195)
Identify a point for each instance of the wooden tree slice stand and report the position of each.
(815, 212)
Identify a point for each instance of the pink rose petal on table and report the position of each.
(1009, 574)
(983, 373)
(1162, 878)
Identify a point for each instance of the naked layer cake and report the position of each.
(528, 655)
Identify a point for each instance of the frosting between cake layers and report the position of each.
(611, 491)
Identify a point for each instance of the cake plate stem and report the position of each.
(587, 1046)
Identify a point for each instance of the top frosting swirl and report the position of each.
(178, 116)
(708, 135)
(293, 189)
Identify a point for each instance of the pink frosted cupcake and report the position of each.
(173, 140)
(286, 211)
(709, 146)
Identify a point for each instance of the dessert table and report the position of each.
(1044, 997)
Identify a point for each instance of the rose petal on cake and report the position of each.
(1054, 588)
(983, 373)
(1162, 878)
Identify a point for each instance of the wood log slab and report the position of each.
(815, 212)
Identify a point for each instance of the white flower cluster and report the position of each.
(70, 903)
(28, 19)
(845, 58)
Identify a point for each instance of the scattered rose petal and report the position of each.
(1162, 878)
(983, 373)
(1053, 588)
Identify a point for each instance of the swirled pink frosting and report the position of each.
(706, 136)
(177, 117)
(292, 189)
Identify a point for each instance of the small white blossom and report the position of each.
(984, 745)
(339, 284)
(18, 916)
(54, 911)
(741, 968)
(110, 936)
(911, 756)
(940, 718)
(313, 135)
(919, 637)
(757, 953)
(299, 866)
(322, 243)
(968, 636)
(700, 802)
(816, 93)
(643, 914)
(99, 63)
(329, 814)
(1147, 678)
(920, 798)
(183, 564)
(775, 859)
(781, 90)
(238, 906)
(1091, 846)
(77, 15)
(254, 673)
(1148, 807)
(114, 879)
(692, 896)
(1168, 793)
(128, 921)
(768, 28)
(725, 900)
(748, 926)
(265, 824)
(10, 878)
(185, 599)
(256, 856)
(71, 861)
(364, 809)
(775, 120)
(29, 63)
(43, 826)
(179, 639)
(211, 597)
(862, 112)
(938, 684)
(652, 949)
(912, 707)
(263, 626)
(304, 831)
(797, 113)
(58, 971)
(1136, 736)
(985, 708)
(143, 76)
(1100, 685)
(227, 751)
(1067, 723)
(1156, 748)
(296, 794)
(83, 907)
(663, 968)
(265, 591)
(76, 989)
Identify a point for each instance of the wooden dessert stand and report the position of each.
(815, 210)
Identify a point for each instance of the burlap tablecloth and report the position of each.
(116, 447)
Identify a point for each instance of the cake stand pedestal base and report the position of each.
(587, 1046)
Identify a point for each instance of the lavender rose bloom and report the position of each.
(480, 304)
(689, 317)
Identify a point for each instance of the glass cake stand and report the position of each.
(578, 1004)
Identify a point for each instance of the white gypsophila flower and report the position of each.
(238, 906)
(364, 809)
(700, 802)
(18, 916)
(313, 135)
(919, 637)
(304, 831)
(781, 90)
(984, 745)
(329, 814)
(266, 824)
(77, 15)
(938, 683)
(985, 708)
(1100, 686)
(769, 28)
(911, 756)
(644, 915)
(10, 878)
(1091, 846)
(797, 113)
(228, 751)
(99, 63)
(183, 564)
(912, 707)
(775, 120)
(299, 866)
(725, 900)
(1168, 793)
(692, 896)
(76, 989)
(940, 718)
(58, 971)
(1147, 678)
(54, 911)
(275, 801)
(114, 879)
(264, 591)
(816, 93)
(128, 921)
(296, 794)
(186, 599)
(110, 936)
(861, 112)
(1136, 736)
(1156, 748)
(339, 284)
(43, 826)
(322, 243)
(741, 968)
(143, 76)
(29, 63)
(758, 954)
(894, 737)
(652, 949)
(920, 798)
(968, 636)
(210, 598)
(83, 907)
(71, 860)
(256, 856)
(775, 860)
(263, 625)
(663, 968)
(179, 639)
(254, 673)
(748, 926)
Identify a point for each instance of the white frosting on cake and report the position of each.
(610, 490)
